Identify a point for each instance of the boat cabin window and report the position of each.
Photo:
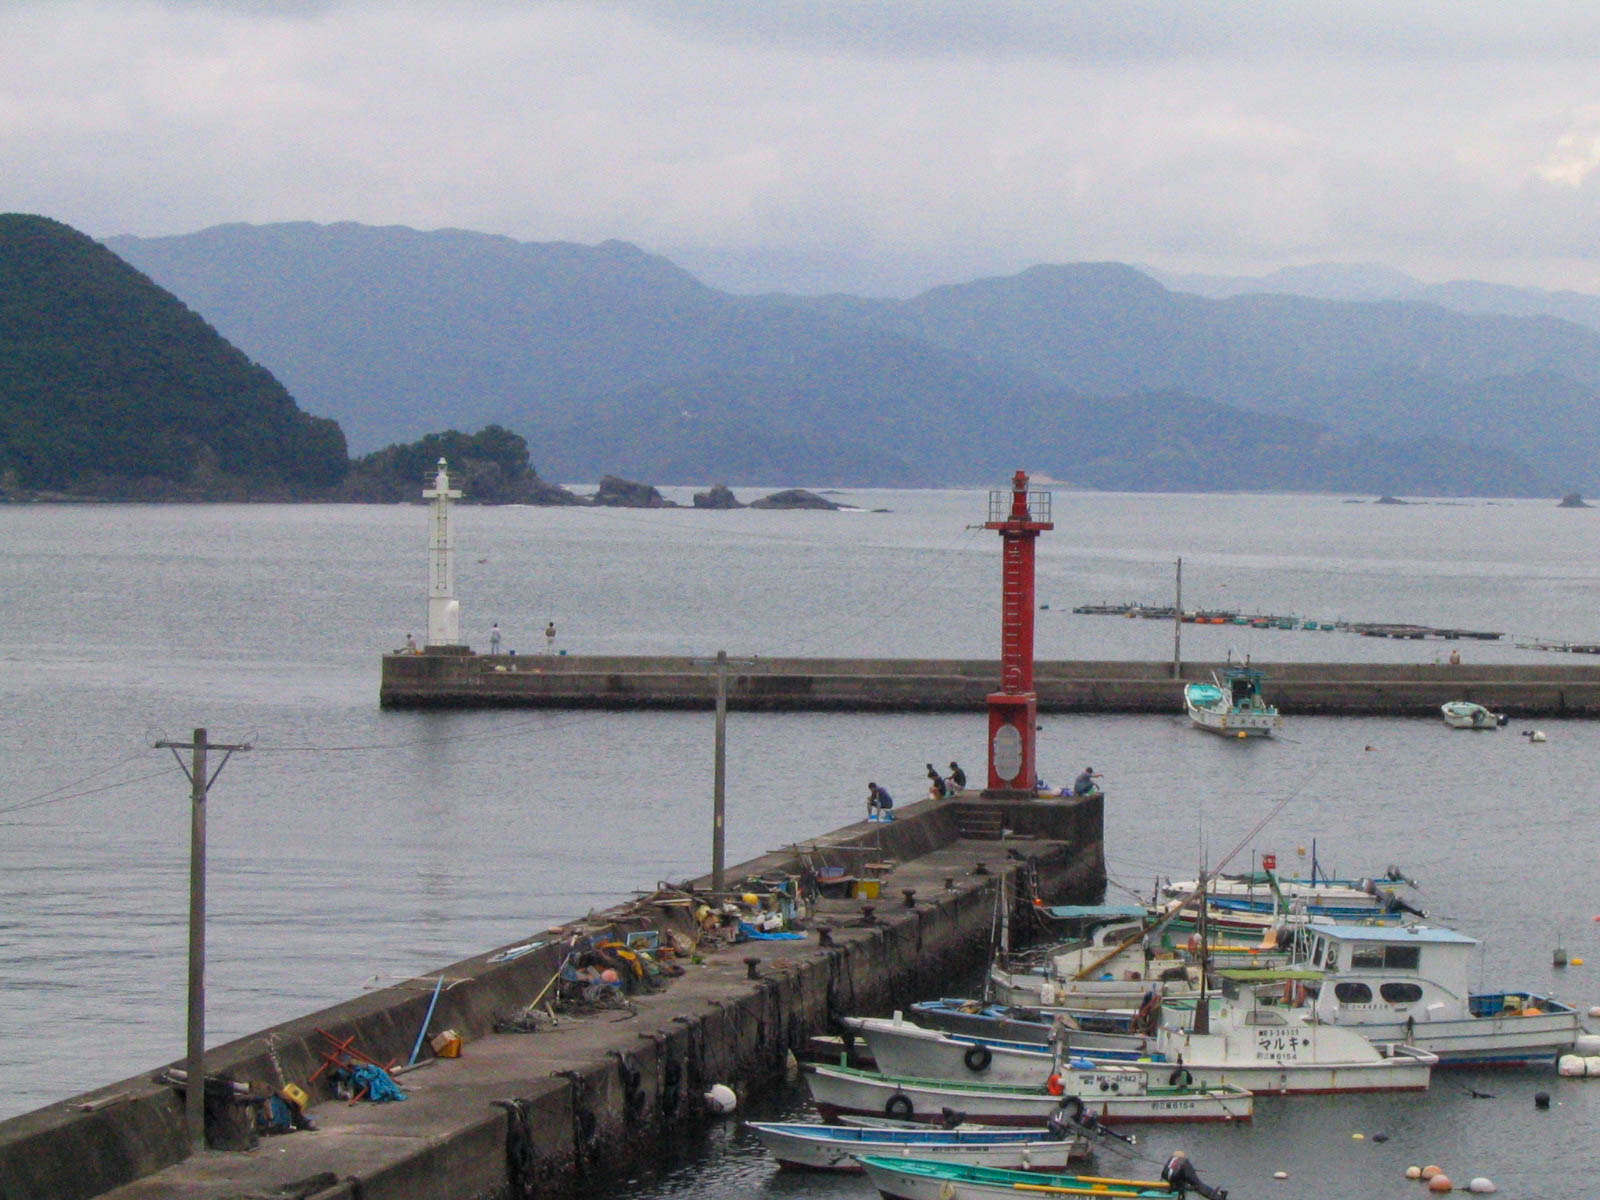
(1378, 958)
(1352, 993)
(1264, 1016)
(1400, 993)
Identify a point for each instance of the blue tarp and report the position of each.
(751, 933)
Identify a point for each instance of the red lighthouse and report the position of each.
(1019, 516)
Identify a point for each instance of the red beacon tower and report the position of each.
(1019, 516)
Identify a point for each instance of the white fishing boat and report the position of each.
(1463, 714)
(837, 1147)
(1232, 704)
(1268, 1048)
(1108, 1095)
(1411, 985)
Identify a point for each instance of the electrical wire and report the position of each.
(50, 797)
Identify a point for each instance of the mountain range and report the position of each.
(608, 359)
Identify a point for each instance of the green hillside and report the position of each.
(110, 387)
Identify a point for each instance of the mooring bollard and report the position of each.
(750, 965)
(824, 935)
(867, 917)
(980, 869)
(949, 883)
(911, 896)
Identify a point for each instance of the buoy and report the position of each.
(1577, 962)
(1280, 1174)
(1558, 957)
(609, 976)
(1413, 1172)
(1587, 1044)
(1440, 1183)
(1569, 1065)
(1591, 1065)
(1541, 1099)
(1240, 735)
(1482, 1184)
(1429, 1171)
(1380, 1137)
(1537, 736)
(1594, 1010)
(1358, 1137)
(721, 1098)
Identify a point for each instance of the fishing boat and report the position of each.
(1463, 714)
(1019, 1023)
(1232, 704)
(1269, 1047)
(913, 1179)
(1411, 985)
(1108, 1095)
(837, 1147)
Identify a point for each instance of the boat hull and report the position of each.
(907, 1051)
(830, 1148)
(1484, 1041)
(838, 1090)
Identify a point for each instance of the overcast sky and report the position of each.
(817, 145)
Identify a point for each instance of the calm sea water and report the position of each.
(351, 845)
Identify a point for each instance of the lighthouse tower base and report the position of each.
(1013, 766)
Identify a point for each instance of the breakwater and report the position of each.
(524, 1114)
(960, 685)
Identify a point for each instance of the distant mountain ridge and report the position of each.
(612, 360)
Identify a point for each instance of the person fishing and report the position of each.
(958, 777)
(1180, 1176)
(880, 804)
(937, 789)
(1085, 784)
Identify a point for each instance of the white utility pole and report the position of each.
(444, 610)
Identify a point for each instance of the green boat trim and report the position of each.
(1021, 1181)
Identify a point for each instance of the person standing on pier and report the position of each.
(494, 638)
(958, 777)
(411, 644)
(550, 638)
(880, 805)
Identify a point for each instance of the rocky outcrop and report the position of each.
(624, 493)
(1573, 500)
(720, 496)
(794, 498)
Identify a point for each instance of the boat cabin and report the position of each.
(1414, 972)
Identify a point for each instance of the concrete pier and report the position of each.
(519, 1115)
(961, 685)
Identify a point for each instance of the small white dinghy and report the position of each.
(1463, 714)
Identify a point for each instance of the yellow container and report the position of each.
(447, 1044)
(868, 889)
(296, 1096)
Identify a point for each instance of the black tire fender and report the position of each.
(1180, 1078)
(898, 1105)
(978, 1058)
(1073, 1107)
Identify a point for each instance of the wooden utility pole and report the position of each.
(1177, 626)
(194, 1091)
(719, 783)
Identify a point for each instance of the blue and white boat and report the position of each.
(1411, 985)
(838, 1147)
(1232, 704)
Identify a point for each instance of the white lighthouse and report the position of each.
(444, 610)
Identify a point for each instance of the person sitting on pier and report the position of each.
(958, 777)
(880, 804)
(1085, 784)
(937, 788)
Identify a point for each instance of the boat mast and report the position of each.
(1202, 1007)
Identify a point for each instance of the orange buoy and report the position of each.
(1440, 1183)
(1054, 1086)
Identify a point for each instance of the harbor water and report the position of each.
(351, 846)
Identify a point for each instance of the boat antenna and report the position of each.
(1177, 906)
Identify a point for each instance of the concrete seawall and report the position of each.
(518, 1114)
(960, 685)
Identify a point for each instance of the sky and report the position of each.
(812, 146)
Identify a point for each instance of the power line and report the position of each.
(50, 797)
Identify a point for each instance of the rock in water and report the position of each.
(794, 498)
(720, 496)
(624, 493)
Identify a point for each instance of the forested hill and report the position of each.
(111, 387)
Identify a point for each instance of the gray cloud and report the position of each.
(831, 145)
